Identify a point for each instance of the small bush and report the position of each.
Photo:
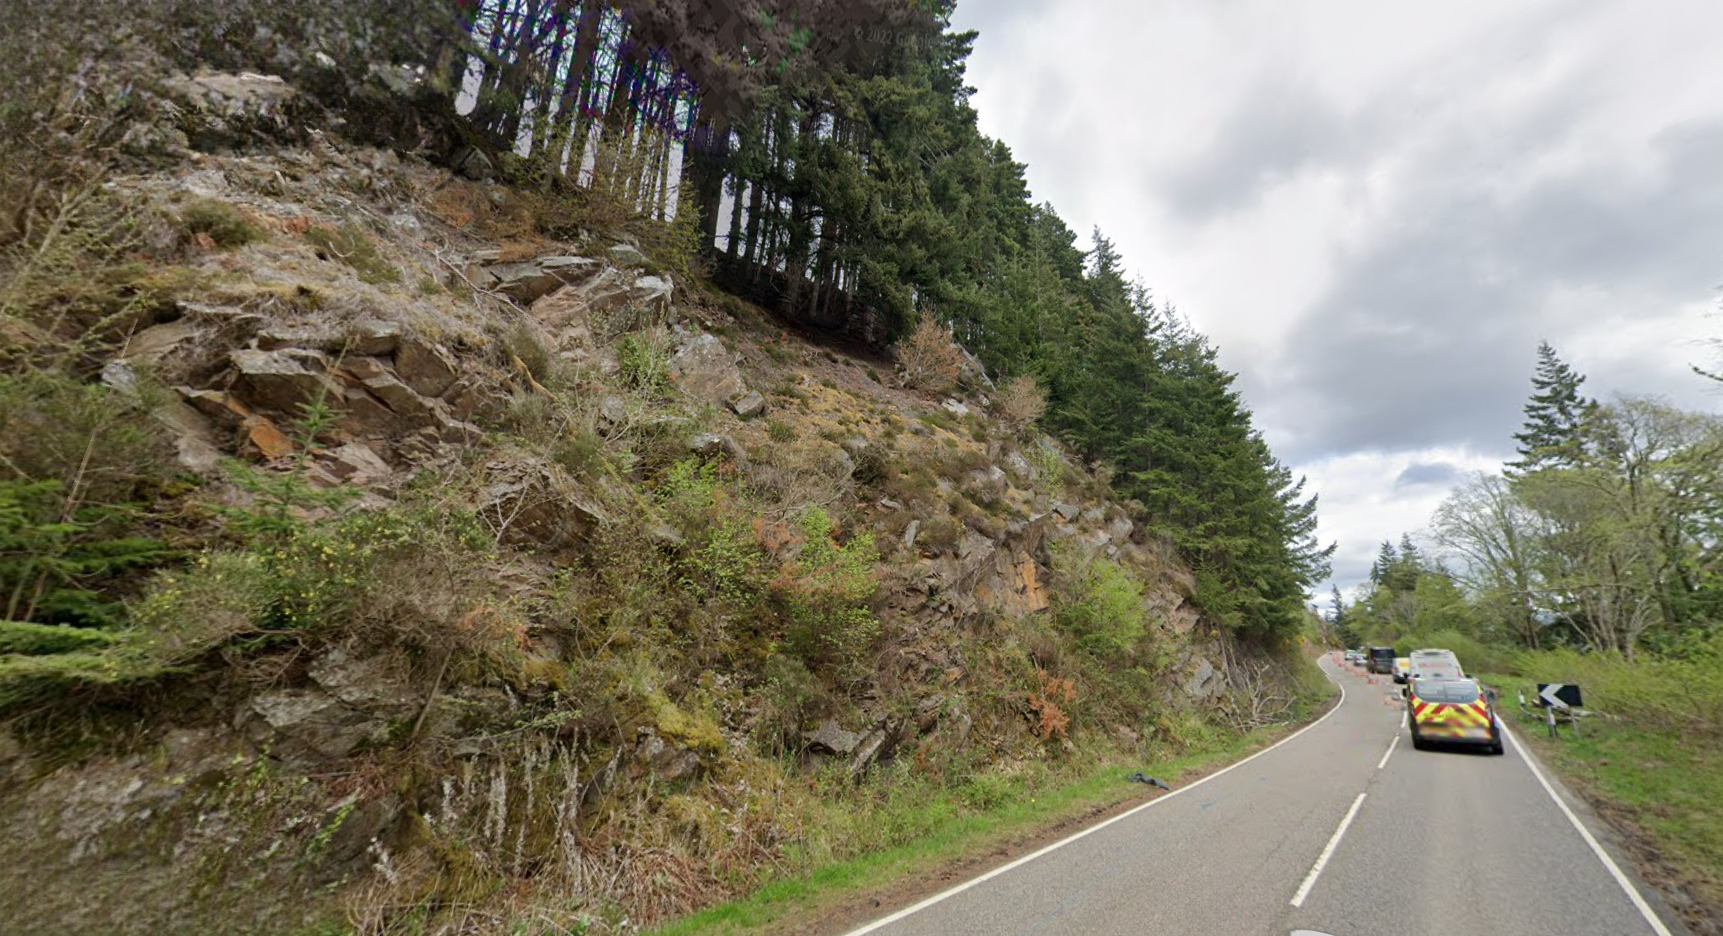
(1098, 602)
(779, 431)
(53, 428)
(825, 592)
(940, 534)
(1048, 706)
(57, 565)
(350, 244)
(1681, 694)
(645, 363)
(224, 225)
(1020, 402)
(929, 359)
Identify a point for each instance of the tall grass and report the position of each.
(1676, 693)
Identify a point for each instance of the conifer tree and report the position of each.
(1386, 562)
(1556, 415)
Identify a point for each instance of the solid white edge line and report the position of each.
(1327, 853)
(1389, 753)
(1596, 849)
(972, 882)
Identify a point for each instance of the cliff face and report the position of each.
(516, 569)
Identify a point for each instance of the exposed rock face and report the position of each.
(155, 342)
(527, 281)
(629, 255)
(706, 370)
(748, 405)
(425, 367)
(578, 303)
(832, 738)
(666, 762)
(274, 380)
(221, 111)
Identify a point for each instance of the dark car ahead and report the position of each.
(1382, 660)
(1451, 711)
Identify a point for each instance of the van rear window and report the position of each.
(1456, 691)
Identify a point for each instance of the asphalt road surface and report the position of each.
(1341, 829)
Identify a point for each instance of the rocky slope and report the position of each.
(524, 577)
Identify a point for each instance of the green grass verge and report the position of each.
(949, 838)
(1667, 786)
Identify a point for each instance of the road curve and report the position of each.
(1434, 842)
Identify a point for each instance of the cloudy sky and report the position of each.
(1377, 209)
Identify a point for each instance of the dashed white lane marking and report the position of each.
(1327, 853)
(1387, 754)
(1584, 833)
(966, 885)
(1403, 716)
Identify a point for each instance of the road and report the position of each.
(1340, 829)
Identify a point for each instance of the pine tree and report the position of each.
(1556, 415)
(1386, 562)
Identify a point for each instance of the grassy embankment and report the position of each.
(950, 835)
(1651, 762)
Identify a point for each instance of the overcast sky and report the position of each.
(1378, 209)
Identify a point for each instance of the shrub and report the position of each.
(224, 225)
(350, 244)
(779, 431)
(1681, 694)
(788, 694)
(940, 534)
(86, 437)
(1020, 402)
(1475, 656)
(57, 558)
(645, 363)
(825, 592)
(1098, 602)
(929, 359)
(1049, 719)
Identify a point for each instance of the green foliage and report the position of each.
(645, 364)
(1555, 415)
(224, 224)
(1676, 692)
(1475, 655)
(54, 564)
(87, 437)
(824, 593)
(21, 637)
(1099, 603)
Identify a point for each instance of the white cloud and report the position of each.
(1377, 210)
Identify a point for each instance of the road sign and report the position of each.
(1560, 695)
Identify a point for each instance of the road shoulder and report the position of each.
(1633, 851)
(859, 892)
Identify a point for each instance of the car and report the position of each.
(1354, 658)
(1452, 711)
(1402, 669)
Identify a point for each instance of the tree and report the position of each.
(1554, 428)
(1386, 561)
(1341, 618)
(1487, 525)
